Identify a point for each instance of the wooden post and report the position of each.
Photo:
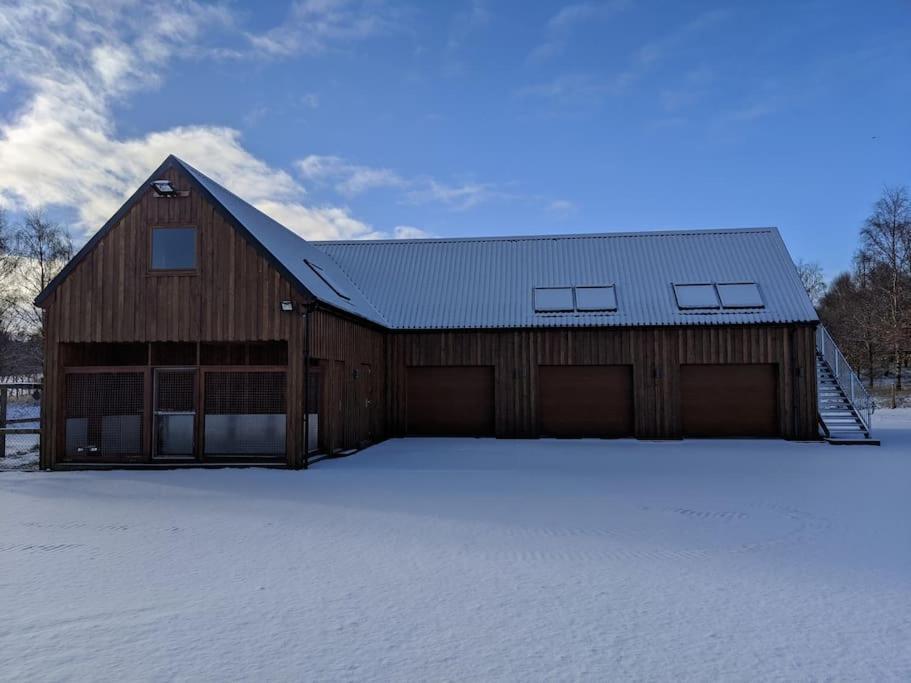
(3, 392)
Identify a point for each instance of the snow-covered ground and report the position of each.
(470, 559)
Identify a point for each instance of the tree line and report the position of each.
(32, 252)
(868, 308)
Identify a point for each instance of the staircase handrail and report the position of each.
(845, 376)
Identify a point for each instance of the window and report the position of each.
(740, 295)
(696, 296)
(328, 279)
(582, 299)
(724, 295)
(553, 299)
(173, 249)
(601, 298)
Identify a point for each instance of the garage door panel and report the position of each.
(730, 400)
(585, 400)
(450, 401)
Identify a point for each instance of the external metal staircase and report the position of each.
(845, 406)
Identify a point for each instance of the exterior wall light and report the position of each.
(287, 306)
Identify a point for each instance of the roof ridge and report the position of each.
(305, 244)
(547, 237)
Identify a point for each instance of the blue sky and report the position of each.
(349, 119)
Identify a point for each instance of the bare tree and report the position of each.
(885, 240)
(813, 280)
(42, 249)
(7, 293)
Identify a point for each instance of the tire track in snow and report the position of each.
(39, 547)
(806, 526)
(67, 526)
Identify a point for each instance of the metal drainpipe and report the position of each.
(308, 307)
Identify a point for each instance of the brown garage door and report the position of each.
(729, 400)
(585, 400)
(450, 401)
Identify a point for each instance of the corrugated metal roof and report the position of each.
(291, 251)
(489, 282)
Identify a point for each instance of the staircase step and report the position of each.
(852, 442)
(838, 417)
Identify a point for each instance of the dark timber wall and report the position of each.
(233, 296)
(110, 297)
(655, 354)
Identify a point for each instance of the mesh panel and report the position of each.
(104, 413)
(176, 390)
(245, 413)
(175, 405)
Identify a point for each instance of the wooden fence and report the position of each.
(20, 415)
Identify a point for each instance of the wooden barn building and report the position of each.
(193, 329)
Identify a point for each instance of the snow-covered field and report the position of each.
(470, 559)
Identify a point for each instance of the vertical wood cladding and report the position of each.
(352, 376)
(655, 354)
(111, 296)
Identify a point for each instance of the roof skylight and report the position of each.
(328, 279)
(740, 295)
(696, 296)
(596, 298)
(724, 295)
(554, 299)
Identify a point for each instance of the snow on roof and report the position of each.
(489, 282)
(292, 252)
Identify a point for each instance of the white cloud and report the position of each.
(570, 88)
(474, 16)
(409, 232)
(74, 60)
(460, 197)
(664, 48)
(313, 26)
(350, 179)
(310, 100)
(562, 207)
(587, 89)
(563, 23)
(347, 178)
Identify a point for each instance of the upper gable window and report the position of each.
(173, 249)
